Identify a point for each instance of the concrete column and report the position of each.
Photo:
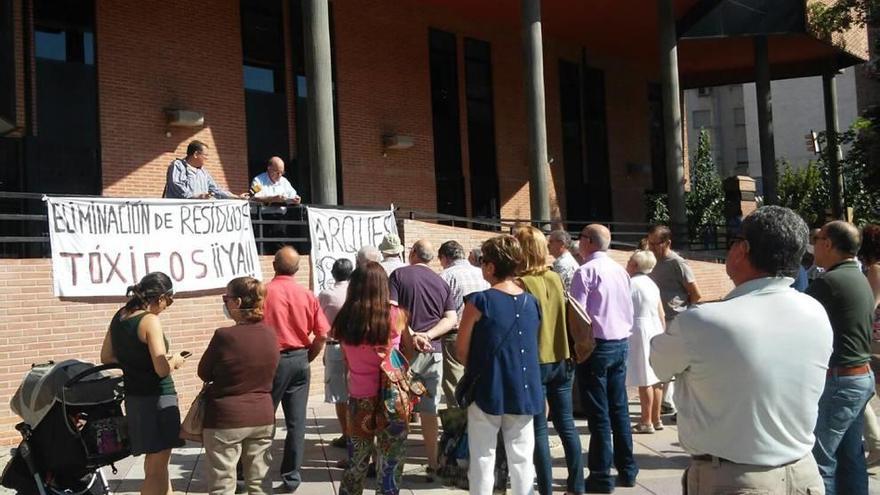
(765, 120)
(672, 133)
(533, 46)
(832, 147)
(322, 137)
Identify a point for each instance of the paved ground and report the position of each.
(659, 456)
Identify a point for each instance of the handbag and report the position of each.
(466, 389)
(193, 424)
(399, 389)
(580, 330)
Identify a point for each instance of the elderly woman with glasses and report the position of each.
(136, 342)
(239, 364)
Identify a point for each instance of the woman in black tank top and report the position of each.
(136, 342)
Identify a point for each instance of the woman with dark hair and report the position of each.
(135, 340)
(369, 324)
(496, 339)
(239, 364)
(556, 367)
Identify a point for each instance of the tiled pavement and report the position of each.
(659, 456)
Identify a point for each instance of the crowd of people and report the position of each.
(771, 383)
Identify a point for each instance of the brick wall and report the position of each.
(153, 55)
(384, 87)
(37, 327)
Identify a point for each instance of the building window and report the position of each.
(742, 156)
(739, 116)
(704, 92)
(443, 63)
(481, 128)
(263, 69)
(64, 46)
(259, 79)
(701, 119)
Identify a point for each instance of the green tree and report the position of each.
(705, 201)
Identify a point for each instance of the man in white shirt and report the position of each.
(464, 279)
(272, 187)
(559, 245)
(751, 368)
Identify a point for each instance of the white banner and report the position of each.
(100, 246)
(338, 233)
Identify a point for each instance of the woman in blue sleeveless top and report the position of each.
(497, 339)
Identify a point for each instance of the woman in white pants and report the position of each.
(497, 338)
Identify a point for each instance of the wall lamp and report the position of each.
(396, 142)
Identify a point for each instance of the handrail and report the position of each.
(625, 234)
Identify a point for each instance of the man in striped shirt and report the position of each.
(187, 178)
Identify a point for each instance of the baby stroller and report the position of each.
(73, 425)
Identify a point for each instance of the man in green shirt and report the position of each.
(849, 301)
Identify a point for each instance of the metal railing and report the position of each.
(24, 231)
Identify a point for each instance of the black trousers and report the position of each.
(290, 388)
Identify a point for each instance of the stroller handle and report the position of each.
(91, 371)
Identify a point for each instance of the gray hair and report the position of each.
(777, 239)
(423, 252)
(368, 253)
(452, 250)
(644, 261)
(564, 237)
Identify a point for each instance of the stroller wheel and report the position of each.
(91, 484)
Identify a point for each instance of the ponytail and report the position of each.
(147, 291)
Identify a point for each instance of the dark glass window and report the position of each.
(263, 68)
(658, 140)
(7, 76)
(446, 124)
(584, 142)
(259, 79)
(481, 128)
(65, 46)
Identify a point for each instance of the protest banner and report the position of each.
(100, 246)
(339, 233)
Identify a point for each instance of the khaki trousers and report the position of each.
(452, 369)
(718, 477)
(224, 447)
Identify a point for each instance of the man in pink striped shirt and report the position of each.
(601, 286)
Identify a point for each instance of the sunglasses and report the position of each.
(169, 297)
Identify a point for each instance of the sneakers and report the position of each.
(667, 409)
(430, 473)
(643, 428)
(339, 443)
(658, 426)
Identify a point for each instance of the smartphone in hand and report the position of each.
(185, 354)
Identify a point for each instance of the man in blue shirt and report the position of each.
(187, 178)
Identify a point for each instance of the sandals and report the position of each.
(643, 428)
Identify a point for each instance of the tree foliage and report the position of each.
(704, 202)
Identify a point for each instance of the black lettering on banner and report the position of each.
(114, 268)
(168, 221)
(158, 221)
(147, 258)
(96, 270)
(348, 234)
(134, 273)
(333, 230)
(176, 269)
(198, 262)
(58, 222)
(73, 257)
(186, 213)
(321, 240)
